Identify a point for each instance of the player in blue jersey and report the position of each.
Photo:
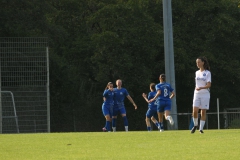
(152, 107)
(119, 96)
(201, 92)
(107, 106)
(163, 97)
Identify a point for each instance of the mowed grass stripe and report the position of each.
(213, 144)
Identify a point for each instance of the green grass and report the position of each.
(173, 145)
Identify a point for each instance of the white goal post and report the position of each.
(8, 114)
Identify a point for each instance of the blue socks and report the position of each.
(161, 125)
(114, 122)
(149, 128)
(157, 124)
(125, 121)
(108, 125)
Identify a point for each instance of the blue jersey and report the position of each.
(165, 89)
(153, 104)
(119, 95)
(108, 97)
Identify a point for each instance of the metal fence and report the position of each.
(228, 119)
(232, 118)
(9, 114)
(24, 70)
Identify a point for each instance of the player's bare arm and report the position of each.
(172, 95)
(145, 97)
(131, 100)
(208, 85)
(158, 93)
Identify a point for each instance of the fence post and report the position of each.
(218, 113)
(0, 109)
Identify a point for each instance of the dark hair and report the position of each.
(163, 77)
(108, 85)
(152, 86)
(206, 64)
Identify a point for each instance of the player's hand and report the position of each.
(198, 88)
(144, 95)
(151, 100)
(135, 106)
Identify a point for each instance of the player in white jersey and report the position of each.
(201, 93)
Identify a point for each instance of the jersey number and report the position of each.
(165, 92)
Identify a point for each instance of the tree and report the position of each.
(212, 30)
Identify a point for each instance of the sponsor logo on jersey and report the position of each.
(201, 79)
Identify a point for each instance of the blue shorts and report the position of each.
(151, 113)
(164, 105)
(107, 110)
(118, 109)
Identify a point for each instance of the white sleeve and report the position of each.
(209, 77)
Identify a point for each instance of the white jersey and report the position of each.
(201, 80)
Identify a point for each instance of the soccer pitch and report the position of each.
(172, 145)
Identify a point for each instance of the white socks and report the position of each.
(195, 120)
(168, 118)
(202, 123)
(114, 129)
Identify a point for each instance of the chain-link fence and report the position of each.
(24, 70)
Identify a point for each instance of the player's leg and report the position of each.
(114, 117)
(195, 118)
(196, 104)
(154, 120)
(104, 129)
(148, 119)
(202, 120)
(167, 112)
(168, 117)
(124, 116)
(204, 107)
(160, 110)
(106, 113)
(108, 121)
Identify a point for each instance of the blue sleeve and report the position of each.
(149, 95)
(157, 88)
(105, 93)
(126, 93)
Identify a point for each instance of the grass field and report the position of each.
(172, 145)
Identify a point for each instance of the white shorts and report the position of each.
(201, 101)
